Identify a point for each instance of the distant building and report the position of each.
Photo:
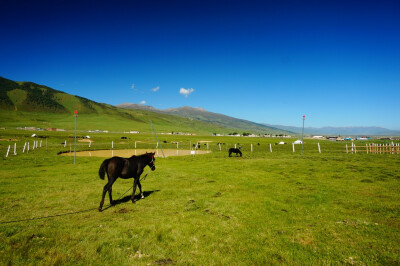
(332, 138)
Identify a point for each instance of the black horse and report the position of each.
(234, 150)
(125, 168)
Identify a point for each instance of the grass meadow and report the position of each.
(263, 208)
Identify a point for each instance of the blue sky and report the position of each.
(337, 62)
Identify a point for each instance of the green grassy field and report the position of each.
(262, 208)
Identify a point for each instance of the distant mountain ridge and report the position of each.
(33, 105)
(201, 114)
(341, 131)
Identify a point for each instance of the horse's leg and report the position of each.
(110, 190)
(140, 188)
(135, 182)
(106, 188)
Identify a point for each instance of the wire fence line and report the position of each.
(68, 145)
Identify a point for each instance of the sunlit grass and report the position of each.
(262, 208)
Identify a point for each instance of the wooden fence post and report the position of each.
(8, 150)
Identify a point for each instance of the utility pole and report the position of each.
(158, 141)
(76, 116)
(302, 133)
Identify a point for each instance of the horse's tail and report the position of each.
(102, 169)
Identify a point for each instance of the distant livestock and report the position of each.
(234, 150)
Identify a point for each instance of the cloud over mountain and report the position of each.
(186, 92)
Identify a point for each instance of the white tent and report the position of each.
(298, 142)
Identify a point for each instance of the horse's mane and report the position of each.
(147, 154)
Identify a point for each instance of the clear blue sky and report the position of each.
(337, 62)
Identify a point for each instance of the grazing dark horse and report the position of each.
(125, 168)
(234, 150)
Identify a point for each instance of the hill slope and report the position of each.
(203, 115)
(27, 104)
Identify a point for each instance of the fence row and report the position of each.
(146, 145)
(374, 148)
(368, 148)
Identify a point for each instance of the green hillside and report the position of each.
(27, 104)
(200, 114)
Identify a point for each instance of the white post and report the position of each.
(352, 147)
(319, 148)
(219, 144)
(293, 146)
(252, 147)
(112, 144)
(8, 150)
(24, 148)
(135, 144)
(15, 148)
(33, 145)
(270, 147)
(65, 143)
(235, 146)
(177, 145)
(28, 147)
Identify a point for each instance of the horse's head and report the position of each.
(152, 160)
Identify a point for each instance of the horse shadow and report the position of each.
(128, 198)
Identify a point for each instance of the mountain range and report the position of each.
(340, 131)
(223, 120)
(200, 114)
(31, 104)
(27, 104)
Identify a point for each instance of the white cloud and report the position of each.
(142, 102)
(133, 86)
(156, 88)
(186, 92)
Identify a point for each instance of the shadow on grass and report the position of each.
(128, 198)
